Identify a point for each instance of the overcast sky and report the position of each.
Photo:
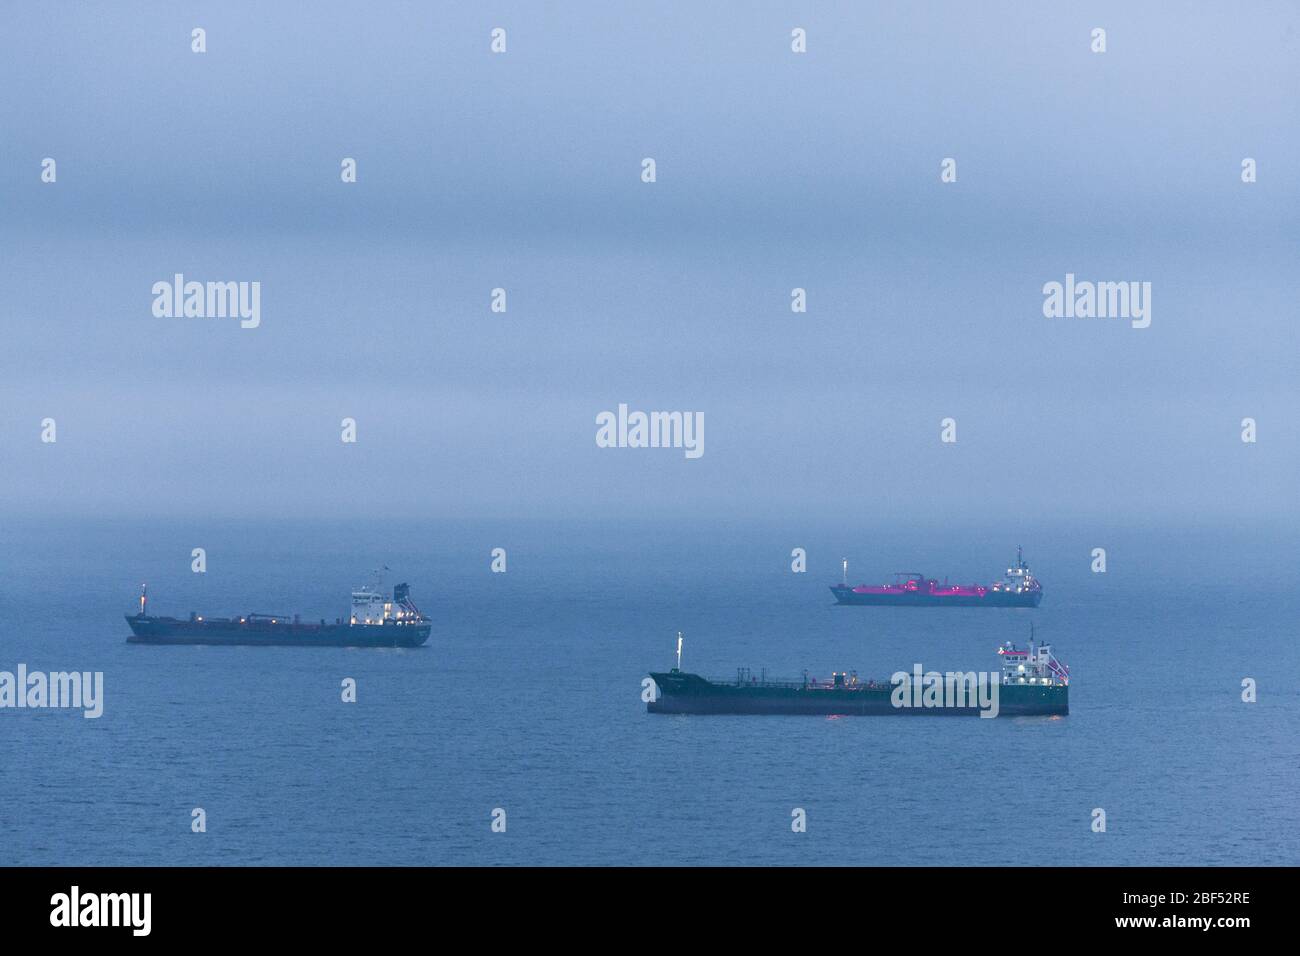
(775, 170)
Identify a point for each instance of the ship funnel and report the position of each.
(401, 592)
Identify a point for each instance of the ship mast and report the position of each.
(679, 650)
(846, 572)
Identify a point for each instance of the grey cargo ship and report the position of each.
(377, 620)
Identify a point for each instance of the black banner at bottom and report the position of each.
(333, 906)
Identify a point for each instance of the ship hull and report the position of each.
(261, 633)
(847, 595)
(690, 694)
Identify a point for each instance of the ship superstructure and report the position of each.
(1035, 666)
(1019, 579)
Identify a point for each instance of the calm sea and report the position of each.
(527, 698)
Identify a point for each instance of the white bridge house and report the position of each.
(370, 606)
(1033, 666)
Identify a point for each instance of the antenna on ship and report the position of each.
(679, 650)
(1020, 562)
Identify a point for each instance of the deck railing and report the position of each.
(800, 684)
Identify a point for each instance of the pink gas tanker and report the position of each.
(1018, 588)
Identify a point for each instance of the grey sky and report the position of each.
(775, 170)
